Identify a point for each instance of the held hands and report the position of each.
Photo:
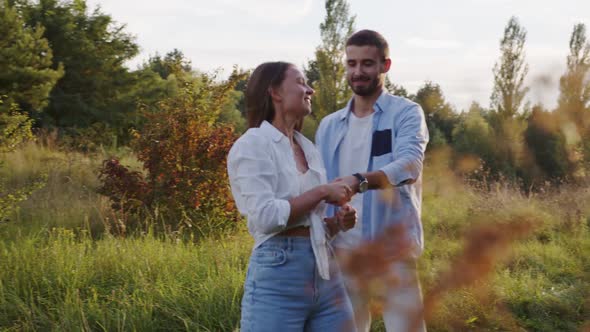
(351, 181)
(341, 190)
(337, 193)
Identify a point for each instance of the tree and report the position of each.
(574, 86)
(327, 69)
(509, 73)
(508, 114)
(574, 98)
(395, 89)
(548, 148)
(174, 62)
(440, 116)
(26, 76)
(473, 136)
(26, 79)
(234, 109)
(93, 50)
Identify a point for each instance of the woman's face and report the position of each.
(294, 95)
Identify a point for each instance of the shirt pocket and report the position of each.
(381, 148)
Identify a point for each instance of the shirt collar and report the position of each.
(271, 131)
(378, 107)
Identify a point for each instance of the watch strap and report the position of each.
(359, 177)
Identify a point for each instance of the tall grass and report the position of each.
(57, 274)
(68, 198)
(59, 281)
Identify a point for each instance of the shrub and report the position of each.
(183, 150)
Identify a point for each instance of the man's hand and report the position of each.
(351, 181)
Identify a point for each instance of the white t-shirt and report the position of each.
(306, 183)
(354, 158)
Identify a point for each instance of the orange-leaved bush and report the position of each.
(183, 148)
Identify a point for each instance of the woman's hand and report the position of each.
(337, 193)
(346, 217)
(344, 220)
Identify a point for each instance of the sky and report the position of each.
(454, 43)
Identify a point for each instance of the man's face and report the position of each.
(365, 69)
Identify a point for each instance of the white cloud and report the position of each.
(433, 43)
(275, 11)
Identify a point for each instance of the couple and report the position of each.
(371, 149)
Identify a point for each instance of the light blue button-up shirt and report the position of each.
(398, 144)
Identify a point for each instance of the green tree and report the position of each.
(327, 69)
(574, 98)
(574, 87)
(509, 73)
(26, 76)
(173, 62)
(440, 116)
(548, 148)
(395, 89)
(312, 73)
(508, 113)
(93, 50)
(234, 109)
(473, 136)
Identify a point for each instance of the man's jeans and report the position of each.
(283, 291)
(402, 301)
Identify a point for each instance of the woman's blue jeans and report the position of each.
(284, 292)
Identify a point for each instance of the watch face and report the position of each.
(363, 186)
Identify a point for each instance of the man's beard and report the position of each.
(368, 90)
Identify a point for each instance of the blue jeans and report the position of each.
(284, 292)
(402, 300)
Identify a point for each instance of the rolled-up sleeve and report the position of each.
(252, 178)
(409, 147)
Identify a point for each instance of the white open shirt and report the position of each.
(263, 177)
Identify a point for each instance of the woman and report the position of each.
(279, 183)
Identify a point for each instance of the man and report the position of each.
(376, 145)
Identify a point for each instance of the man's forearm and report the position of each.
(377, 180)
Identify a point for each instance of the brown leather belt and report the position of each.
(295, 231)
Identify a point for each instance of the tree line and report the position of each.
(510, 139)
(62, 70)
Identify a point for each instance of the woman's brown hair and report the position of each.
(259, 106)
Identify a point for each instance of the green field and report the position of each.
(62, 270)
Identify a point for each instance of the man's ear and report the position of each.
(386, 65)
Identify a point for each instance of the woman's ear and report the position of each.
(274, 94)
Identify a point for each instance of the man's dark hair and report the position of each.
(369, 38)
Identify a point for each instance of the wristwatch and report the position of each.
(363, 183)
